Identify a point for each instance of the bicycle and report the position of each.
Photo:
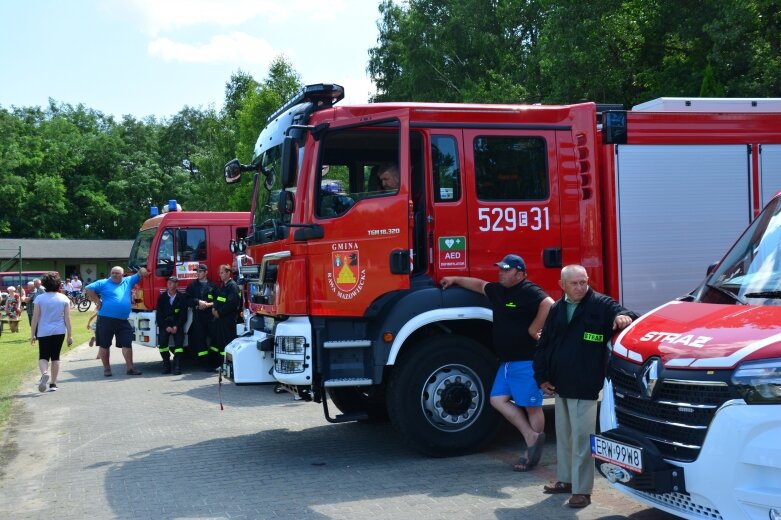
(80, 300)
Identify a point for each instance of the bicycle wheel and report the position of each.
(83, 305)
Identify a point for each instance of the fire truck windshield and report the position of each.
(751, 271)
(139, 253)
(266, 216)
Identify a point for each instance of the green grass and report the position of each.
(18, 357)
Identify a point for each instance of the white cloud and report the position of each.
(160, 16)
(236, 47)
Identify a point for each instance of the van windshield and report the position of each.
(751, 271)
(139, 253)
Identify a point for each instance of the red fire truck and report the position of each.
(346, 301)
(174, 243)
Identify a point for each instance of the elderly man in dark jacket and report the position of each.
(570, 360)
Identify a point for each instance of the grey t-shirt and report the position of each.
(51, 320)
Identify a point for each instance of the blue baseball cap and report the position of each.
(512, 261)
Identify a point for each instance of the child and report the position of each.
(91, 326)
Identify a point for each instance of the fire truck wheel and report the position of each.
(352, 400)
(438, 396)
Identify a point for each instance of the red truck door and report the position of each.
(512, 193)
(365, 249)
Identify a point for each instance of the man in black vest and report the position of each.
(171, 315)
(226, 309)
(200, 297)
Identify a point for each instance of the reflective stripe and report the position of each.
(214, 349)
(176, 310)
(209, 297)
(163, 349)
(178, 350)
(203, 353)
(221, 299)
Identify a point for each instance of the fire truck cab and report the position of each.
(174, 243)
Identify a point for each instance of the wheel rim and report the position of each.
(452, 397)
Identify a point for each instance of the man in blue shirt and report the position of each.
(111, 297)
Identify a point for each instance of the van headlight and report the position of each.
(759, 382)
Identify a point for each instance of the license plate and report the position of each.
(618, 453)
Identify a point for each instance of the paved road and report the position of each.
(159, 447)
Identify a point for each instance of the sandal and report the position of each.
(535, 451)
(557, 488)
(522, 464)
(107, 372)
(133, 372)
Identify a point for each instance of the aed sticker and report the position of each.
(346, 278)
(452, 252)
(187, 270)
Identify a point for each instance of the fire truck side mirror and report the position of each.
(289, 161)
(232, 171)
(286, 203)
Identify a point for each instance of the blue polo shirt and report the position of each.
(114, 297)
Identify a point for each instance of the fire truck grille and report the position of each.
(676, 419)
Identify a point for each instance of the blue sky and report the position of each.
(153, 57)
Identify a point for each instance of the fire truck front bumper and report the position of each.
(736, 476)
(144, 328)
(249, 358)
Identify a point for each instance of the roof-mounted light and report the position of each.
(321, 95)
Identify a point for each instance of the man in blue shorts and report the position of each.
(111, 297)
(520, 308)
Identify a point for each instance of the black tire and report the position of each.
(439, 396)
(352, 399)
(83, 305)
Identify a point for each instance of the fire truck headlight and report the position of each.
(759, 382)
(290, 345)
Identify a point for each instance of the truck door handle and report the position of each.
(551, 257)
(399, 261)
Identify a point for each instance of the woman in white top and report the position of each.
(51, 323)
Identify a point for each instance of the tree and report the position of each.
(560, 51)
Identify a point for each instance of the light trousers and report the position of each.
(576, 420)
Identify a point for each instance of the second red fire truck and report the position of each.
(344, 287)
(174, 243)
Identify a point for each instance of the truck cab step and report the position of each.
(348, 343)
(348, 381)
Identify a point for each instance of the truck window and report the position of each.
(191, 245)
(349, 160)
(447, 174)
(511, 168)
(165, 251)
(139, 253)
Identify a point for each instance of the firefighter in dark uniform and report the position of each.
(171, 315)
(200, 297)
(226, 309)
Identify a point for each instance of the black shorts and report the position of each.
(108, 328)
(49, 347)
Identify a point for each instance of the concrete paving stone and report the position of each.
(160, 447)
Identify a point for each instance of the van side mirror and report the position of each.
(286, 204)
(289, 161)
